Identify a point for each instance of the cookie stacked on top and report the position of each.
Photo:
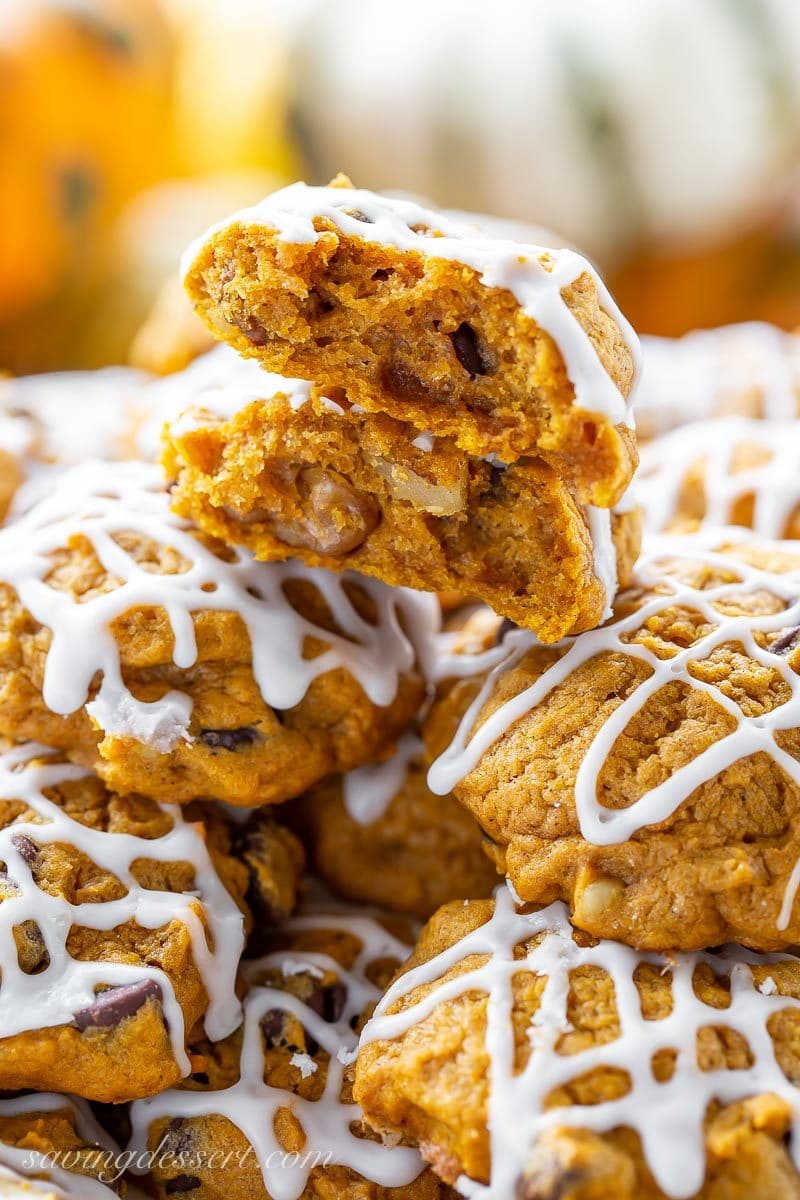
(462, 421)
(407, 406)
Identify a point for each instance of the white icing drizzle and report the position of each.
(604, 553)
(67, 985)
(715, 371)
(511, 265)
(449, 658)
(18, 1163)
(251, 1104)
(69, 415)
(98, 501)
(368, 791)
(668, 1116)
(773, 484)
(605, 826)
(48, 422)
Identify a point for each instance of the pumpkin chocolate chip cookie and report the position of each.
(51, 1148)
(727, 471)
(648, 772)
(511, 350)
(527, 1059)
(269, 1112)
(291, 471)
(173, 665)
(121, 928)
(748, 370)
(380, 836)
(49, 422)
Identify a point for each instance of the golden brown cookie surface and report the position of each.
(647, 772)
(379, 836)
(51, 1148)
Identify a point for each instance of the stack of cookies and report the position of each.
(374, 643)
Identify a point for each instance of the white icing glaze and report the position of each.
(98, 501)
(304, 1063)
(514, 266)
(48, 422)
(774, 485)
(369, 791)
(449, 657)
(715, 371)
(67, 985)
(604, 553)
(69, 415)
(251, 1104)
(606, 826)
(668, 1116)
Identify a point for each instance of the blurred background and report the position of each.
(661, 137)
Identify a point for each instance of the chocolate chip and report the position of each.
(335, 1000)
(786, 643)
(181, 1184)
(273, 1026)
(256, 334)
(230, 739)
(113, 1006)
(28, 850)
(468, 351)
(256, 845)
(404, 384)
(328, 1002)
(496, 475)
(506, 626)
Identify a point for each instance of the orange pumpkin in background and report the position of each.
(112, 111)
(84, 124)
